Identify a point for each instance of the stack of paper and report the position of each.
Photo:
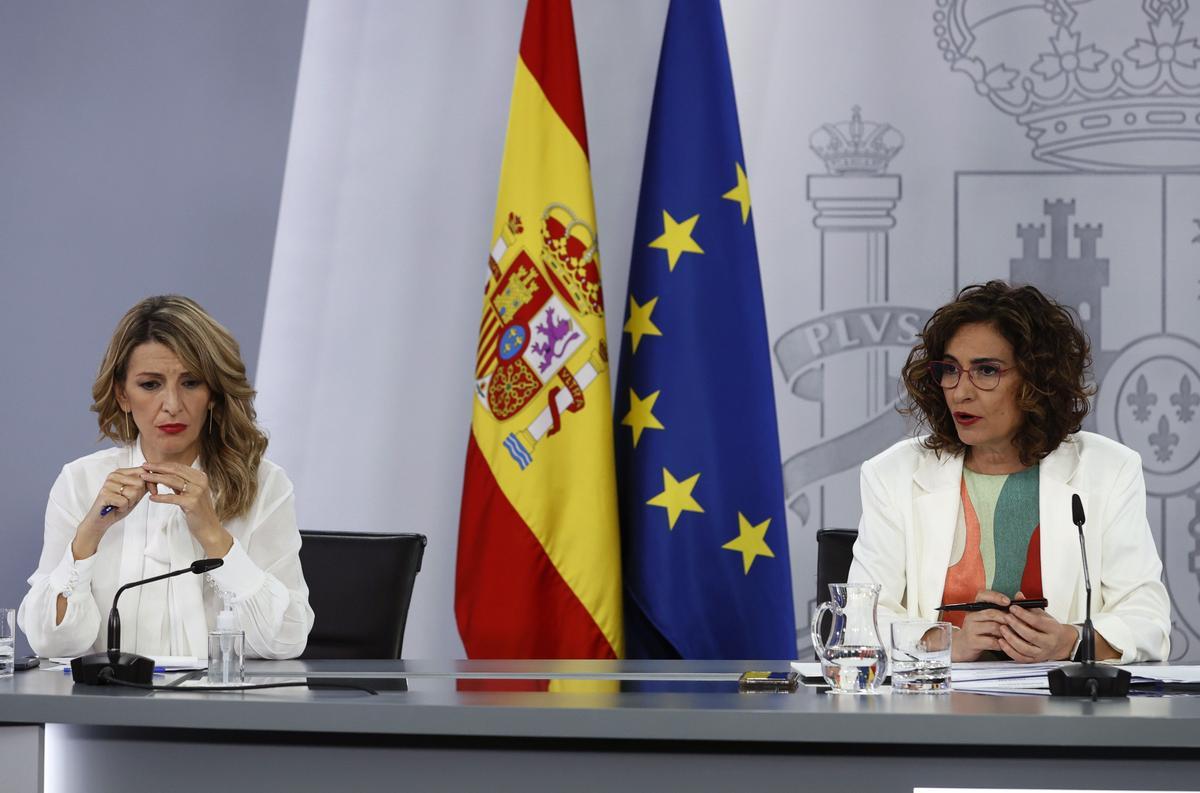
(1003, 677)
(1167, 673)
(1007, 678)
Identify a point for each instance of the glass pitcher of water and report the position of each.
(853, 661)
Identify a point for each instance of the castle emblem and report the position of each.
(534, 326)
(1076, 280)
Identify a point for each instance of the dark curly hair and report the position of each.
(1052, 355)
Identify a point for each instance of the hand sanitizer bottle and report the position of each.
(227, 647)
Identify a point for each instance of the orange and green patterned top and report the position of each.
(996, 542)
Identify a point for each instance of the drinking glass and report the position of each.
(8, 640)
(921, 656)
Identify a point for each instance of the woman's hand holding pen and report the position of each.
(1032, 635)
(981, 630)
(120, 493)
(192, 495)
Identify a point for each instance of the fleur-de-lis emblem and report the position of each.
(1142, 400)
(1163, 441)
(1185, 401)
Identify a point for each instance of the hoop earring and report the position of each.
(210, 420)
(125, 418)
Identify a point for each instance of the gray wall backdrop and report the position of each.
(142, 148)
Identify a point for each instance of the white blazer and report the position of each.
(910, 500)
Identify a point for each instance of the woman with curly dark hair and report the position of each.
(979, 509)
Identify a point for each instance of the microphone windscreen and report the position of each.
(1076, 510)
(204, 565)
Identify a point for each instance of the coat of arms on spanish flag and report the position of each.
(538, 558)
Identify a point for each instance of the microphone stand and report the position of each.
(1087, 678)
(96, 669)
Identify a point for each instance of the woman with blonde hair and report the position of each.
(187, 479)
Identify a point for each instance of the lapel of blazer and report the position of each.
(1061, 567)
(936, 485)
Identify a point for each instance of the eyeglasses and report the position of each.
(984, 376)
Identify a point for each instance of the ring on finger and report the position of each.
(122, 491)
(183, 489)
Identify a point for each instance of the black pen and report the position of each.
(983, 605)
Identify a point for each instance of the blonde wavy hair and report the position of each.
(233, 449)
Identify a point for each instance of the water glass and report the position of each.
(8, 640)
(921, 656)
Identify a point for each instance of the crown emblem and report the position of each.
(569, 251)
(1092, 82)
(856, 147)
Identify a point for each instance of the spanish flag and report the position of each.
(538, 557)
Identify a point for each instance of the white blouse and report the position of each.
(174, 616)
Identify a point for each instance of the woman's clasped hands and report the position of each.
(192, 495)
(1024, 635)
(124, 489)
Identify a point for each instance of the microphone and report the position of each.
(96, 669)
(1087, 678)
(1077, 510)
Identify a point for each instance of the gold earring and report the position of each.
(125, 417)
(210, 419)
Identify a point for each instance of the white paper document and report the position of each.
(1168, 673)
(1010, 678)
(162, 663)
(994, 674)
(806, 668)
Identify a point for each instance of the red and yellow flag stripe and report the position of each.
(538, 558)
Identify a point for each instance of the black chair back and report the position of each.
(835, 552)
(359, 586)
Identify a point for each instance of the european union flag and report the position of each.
(704, 536)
